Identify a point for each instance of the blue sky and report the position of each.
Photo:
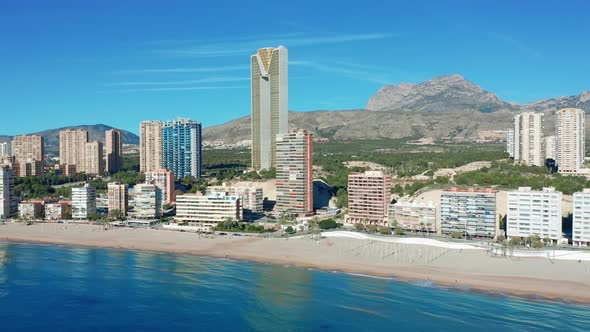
(119, 62)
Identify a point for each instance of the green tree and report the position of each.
(289, 230)
(359, 226)
(372, 228)
(385, 230)
(328, 224)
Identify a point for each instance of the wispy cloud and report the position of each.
(517, 44)
(185, 70)
(367, 73)
(189, 88)
(183, 82)
(249, 46)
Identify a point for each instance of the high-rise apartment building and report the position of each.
(114, 151)
(147, 201)
(369, 196)
(28, 147)
(150, 146)
(570, 140)
(5, 148)
(207, 210)
(163, 179)
(470, 212)
(182, 148)
(581, 218)
(528, 139)
(294, 183)
(269, 104)
(8, 204)
(510, 143)
(72, 148)
(83, 202)
(118, 196)
(549, 143)
(29, 168)
(532, 212)
(93, 158)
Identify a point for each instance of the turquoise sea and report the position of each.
(56, 288)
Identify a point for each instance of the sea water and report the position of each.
(58, 288)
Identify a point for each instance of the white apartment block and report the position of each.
(528, 139)
(5, 148)
(581, 218)
(30, 210)
(510, 143)
(207, 210)
(251, 198)
(471, 212)
(532, 212)
(147, 201)
(416, 216)
(83, 202)
(569, 140)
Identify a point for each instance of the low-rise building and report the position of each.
(31, 210)
(471, 212)
(57, 211)
(581, 218)
(83, 202)
(147, 201)
(534, 212)
(252, 199)
(207, 210)
(413, 216)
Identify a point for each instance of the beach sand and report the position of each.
(474, 270)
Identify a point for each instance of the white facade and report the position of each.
(83, 202)
(5, 148)
(209, 209)
(147, 201)
(528, 139)
(414, 216)
(532, 212)
(569, 140)
(510, 142)
(8, 206)
(251, 198)
(270, 103)
(550, 147)
(471, 212)
(581, 218)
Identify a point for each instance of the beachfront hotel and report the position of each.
(294, 184)
(369, 196)
(114, 151)
(270, 105)
(83, 202)
(581, 218)
(150, 146)
(118, 198)
(471, 212)
(207, 210)
(147, 201)
(182, 150)
(251, 198)
(528, 139)
(533, 212)
(570, 140)
(414, 216)
(8, 204)
(163, 179)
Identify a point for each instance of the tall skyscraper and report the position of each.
(369, 196)
(164, 180)
(114, 151)
(570, 140)
(93, 158)
(8, 204)
(5, 148)
(150, 146)
(182, 147)
(28, 147)
(270, 105)
(528, 139)
(294, 184)
(72, 148)
(118, 198)
(510, 143)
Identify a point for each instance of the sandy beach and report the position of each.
(466, 269)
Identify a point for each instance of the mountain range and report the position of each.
(95, 133)
(446, 107)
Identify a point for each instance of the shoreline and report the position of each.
(498, 277)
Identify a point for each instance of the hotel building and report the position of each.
(369, 197)
(269, 69)
(528, 139)
(182, 148)
(294, 184)
(471, 212)
(118, 196)
(569, 140)
(207, 210)
(83, 202)
(532, 212)
(150, 146)
(581, 218)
